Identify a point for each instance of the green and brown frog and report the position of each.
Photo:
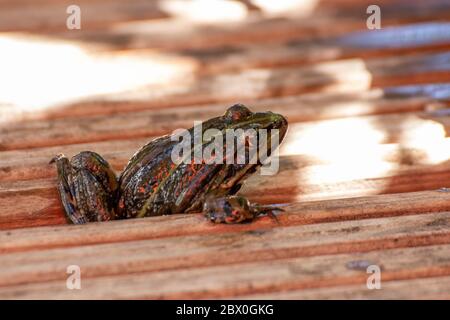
(152, 184)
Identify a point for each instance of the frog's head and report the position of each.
(239, 116)
(225, 163)
(238, 119)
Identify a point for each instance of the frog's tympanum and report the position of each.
(152, 184)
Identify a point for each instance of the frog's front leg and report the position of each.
(87, 186)
(235, 209)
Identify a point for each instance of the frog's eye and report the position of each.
(237, 112)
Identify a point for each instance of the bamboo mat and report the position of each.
(364, 167)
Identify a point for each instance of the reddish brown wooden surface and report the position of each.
(364, 167)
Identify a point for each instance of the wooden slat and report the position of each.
(23, 16)
(235, 247)
(17, 165)
(231, 280)
(421, 37)
(390, 128)
(424, 289)
(175, 34)
(386, 128)
(295, 183)
(369, 119)
(265, 83)
(193, 224)
(36, 202)
(156, 122)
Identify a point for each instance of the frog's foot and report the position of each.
(236, 209)
(87, 187)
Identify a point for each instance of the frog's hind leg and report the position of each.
(87, 186)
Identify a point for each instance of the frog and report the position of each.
(153, 184)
